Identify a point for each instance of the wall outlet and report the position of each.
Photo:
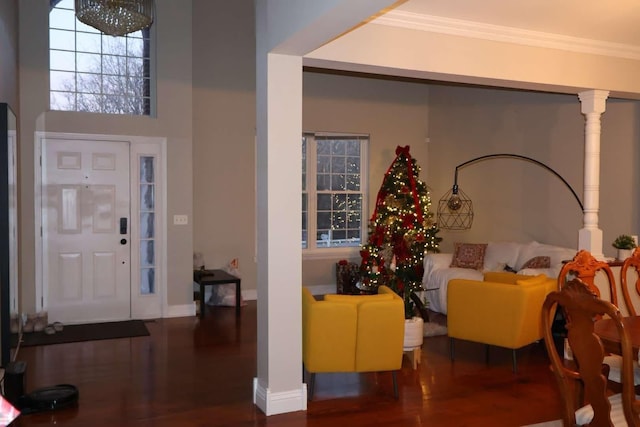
(180, 220)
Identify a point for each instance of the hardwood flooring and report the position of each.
(199, 373)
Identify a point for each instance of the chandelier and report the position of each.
(115, 17)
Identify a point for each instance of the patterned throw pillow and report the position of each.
(538, 262)
(468, 255)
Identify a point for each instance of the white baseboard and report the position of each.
(182, 310)
(281, 402)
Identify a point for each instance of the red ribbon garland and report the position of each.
(380, 199)
(412, 181)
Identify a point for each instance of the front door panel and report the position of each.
(87, 254)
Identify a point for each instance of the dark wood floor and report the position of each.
(199, 373)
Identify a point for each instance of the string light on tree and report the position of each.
(401, 230)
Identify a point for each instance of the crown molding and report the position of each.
(478, 30)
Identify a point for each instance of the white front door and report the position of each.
(86, 226)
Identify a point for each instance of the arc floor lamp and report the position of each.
(455, 208)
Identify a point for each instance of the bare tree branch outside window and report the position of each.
(93, 72)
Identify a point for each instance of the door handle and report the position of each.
(123, 225)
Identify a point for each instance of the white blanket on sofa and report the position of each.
(437, 272)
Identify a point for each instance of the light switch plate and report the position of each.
(180, 220)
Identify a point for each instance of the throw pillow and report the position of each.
(538, 262)
(468, 255)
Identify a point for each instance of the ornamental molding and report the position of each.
(478, 30)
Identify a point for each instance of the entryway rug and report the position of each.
(86, 332)
(432, 329)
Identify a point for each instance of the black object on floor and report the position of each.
(14, 381)
(86, 332)
(48, 398)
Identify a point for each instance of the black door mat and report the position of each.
(86, 332)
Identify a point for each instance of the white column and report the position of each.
(286, 30)
(594, 103)
(278, 387)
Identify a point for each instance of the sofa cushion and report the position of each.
(357, 299)
(556, 254)
(468, 255)
(501, 254)
(503, 277)
(540, 261)
(531, 281)
(509, 269)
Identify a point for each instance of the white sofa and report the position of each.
(497, 256)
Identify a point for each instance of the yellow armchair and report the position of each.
(352, 333)
(503, 310)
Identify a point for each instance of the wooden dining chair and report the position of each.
(582, 384)
(633, 262)
(585, 267)
(614, 361)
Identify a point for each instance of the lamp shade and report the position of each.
(115, 17)
(455, 210)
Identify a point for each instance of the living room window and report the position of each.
(333, 191)
(93, 72)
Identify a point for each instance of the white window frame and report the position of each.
(148, 81)
(312, 251)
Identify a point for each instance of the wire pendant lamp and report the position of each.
(115, 17)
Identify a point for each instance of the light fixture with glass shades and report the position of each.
(455, 208)
(115, 17)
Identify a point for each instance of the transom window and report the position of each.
(333, 190)
(94, 72)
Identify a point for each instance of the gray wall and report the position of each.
(519, 200)
(173, 121)
(393, 113)
(9, 53)
(206, 109)
(224, 122)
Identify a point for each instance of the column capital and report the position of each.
(593, 101)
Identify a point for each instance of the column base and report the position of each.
(590, 239)
(279, 403)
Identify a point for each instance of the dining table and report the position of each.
(606, 329)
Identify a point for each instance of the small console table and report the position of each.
(215, 277)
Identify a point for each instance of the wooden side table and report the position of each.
(206, 278)
(414, 354)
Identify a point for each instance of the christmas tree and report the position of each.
(401, 230)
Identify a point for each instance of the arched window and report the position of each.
(93, 72)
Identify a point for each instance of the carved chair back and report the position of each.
(632, 262)
(585, 267)
(583, 381)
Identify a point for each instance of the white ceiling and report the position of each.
(615, 21)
